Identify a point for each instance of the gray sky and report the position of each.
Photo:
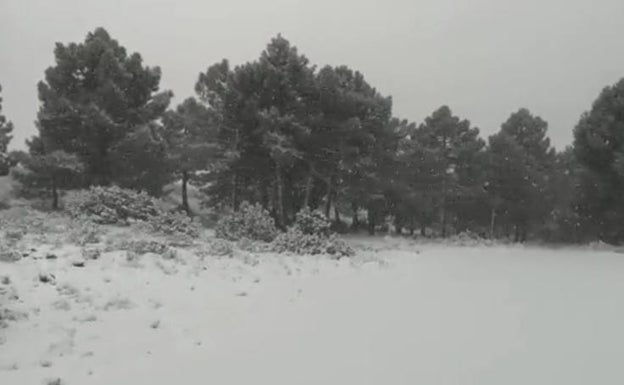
(484, 58)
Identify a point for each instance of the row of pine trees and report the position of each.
(281, 132)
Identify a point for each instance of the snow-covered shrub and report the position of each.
(220, 247)
(14, 234)
(143, 246)
(310, 235)
(111, 205)
(468, 238)
(174, 223)
(250, 245)
(85, 232)
(296, 241)
(9, 254)
(312, 222)
(250, 221)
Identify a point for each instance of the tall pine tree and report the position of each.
(599, 148)
(521, 162)
(97, 102)
(6, 127)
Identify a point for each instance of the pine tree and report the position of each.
(521, 162)
(599, 148)
(6, 127)
(454, 145)
(191, 135)
(41, 173)
(95, 100)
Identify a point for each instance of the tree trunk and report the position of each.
(411, 226)
(444, 187)
(444, 219)
(264, 195)
(398, 225)
(492, 223)
(371, 222)
(55, 195)
(235, 176)
(329, 199)
(523, 233)
(235, 191)
(355, 221)
(185, 204)
(280, 196)
(423, 229)
(308, 191)
(336, 214)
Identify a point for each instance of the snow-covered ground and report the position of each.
(398, 313)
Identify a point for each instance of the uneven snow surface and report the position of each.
(408, 315)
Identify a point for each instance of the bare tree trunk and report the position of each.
(444, 187)
(523, 233)
(185, 204)
(235, 191)
(280, 196)
(423, 229)
(355, 221)
(329, 199)
(371, 221)
(336, 214)
(235, 176)
(444, 219)
(55, 194)
(264, 195)
(492, 223)
(308, 191)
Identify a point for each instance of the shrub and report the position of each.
(312, 222)
(143, 246)
(296, 241)
(250, 221)
(85, 232)
(250, 245)
(111, 205)
(174, 223)
(8, 254)
(311, 234)
(220, 248)
(14, 235)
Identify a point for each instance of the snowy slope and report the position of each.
(444, 315)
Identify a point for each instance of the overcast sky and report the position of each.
(483, 58)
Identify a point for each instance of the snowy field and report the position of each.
(398, 313)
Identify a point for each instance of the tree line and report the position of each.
(287, 134)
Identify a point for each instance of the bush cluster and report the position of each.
(143, 246)
(297, 242)
(250, 221)
(9, 254)
(111, 205)
(85, 232)
(174, 223)
(312, 222)
(118, 206)
(311, 235)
